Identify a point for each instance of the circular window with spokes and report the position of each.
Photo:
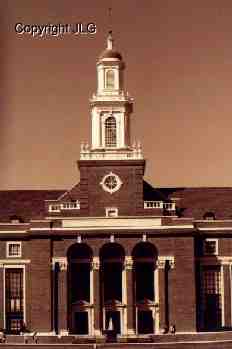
(111, 183)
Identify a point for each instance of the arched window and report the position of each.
(110, 79)
(112, 257)
(209, 215)
(110, 132)
(144, 257)
(79, 280)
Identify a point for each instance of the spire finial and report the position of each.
(110, 36)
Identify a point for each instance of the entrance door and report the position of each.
(81, 325)
(212, 298)
(145, 322)
(113, 319)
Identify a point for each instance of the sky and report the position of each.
(178, 70)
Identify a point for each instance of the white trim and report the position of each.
(8, 243)
(17, 224)
(112, 227)
(13, 231)
(3, 262)
(218, 228)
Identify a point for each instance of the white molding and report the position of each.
(13, 231)
(15, 224)
(13, 262)
(112, 226)
(216, 228)
(115, 222)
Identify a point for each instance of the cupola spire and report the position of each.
(110, 41)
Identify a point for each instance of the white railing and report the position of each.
(70, 206)
(134, 152)
(153, 204)
(169, 206)
(64, 206)
(111, 96)
(111, 155)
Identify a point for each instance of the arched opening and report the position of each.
(209, 215)
(112, 261)
(110, 79)
(110, 132)
(144, 257)
(79, 281)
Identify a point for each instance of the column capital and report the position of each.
(128, 263)
(96, 263)
(161, 261)
(62, 261)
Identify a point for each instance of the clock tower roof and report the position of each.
(109, 52)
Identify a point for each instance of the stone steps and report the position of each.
(206, 340)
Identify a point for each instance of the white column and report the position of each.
(129, 296)
(124, 301)
(62, 294)
(96, 296)
(222, 294)
(156, 290)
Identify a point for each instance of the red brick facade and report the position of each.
(114, 255)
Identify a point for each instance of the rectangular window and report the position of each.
(13, 249)
(212, 297)
(111, 212)
(211, 247)
(14, 299)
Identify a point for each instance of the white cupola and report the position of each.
(111, 109)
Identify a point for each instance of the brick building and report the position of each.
(113, 252)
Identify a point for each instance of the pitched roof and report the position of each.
(190, 202)
(195, 202)
(72, 194)
(25, 204)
